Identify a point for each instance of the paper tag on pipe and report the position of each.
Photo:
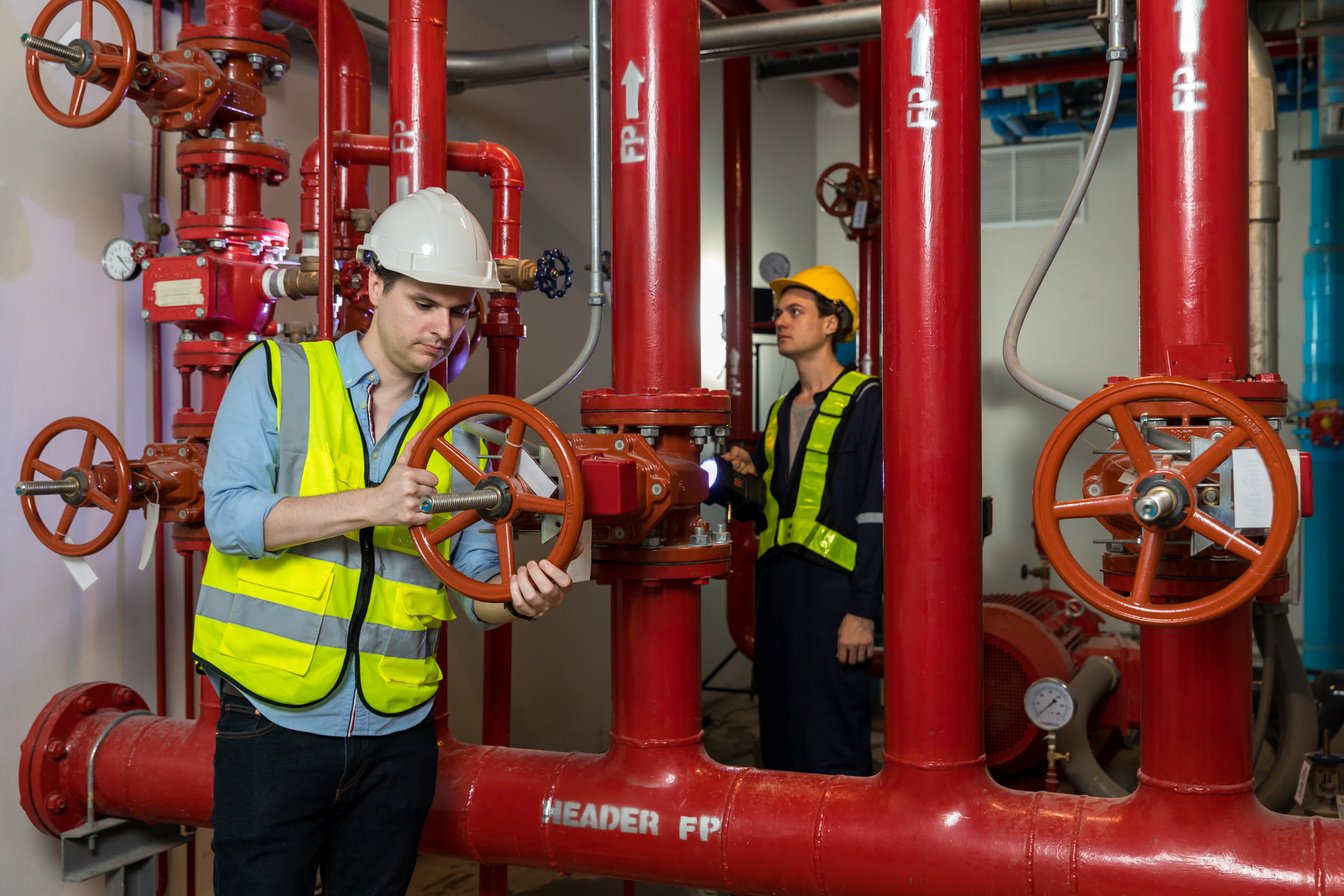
(151, 528)
(81, 571)
(580, 569)
(534, 476)
(550, 527)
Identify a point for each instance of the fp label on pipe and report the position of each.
(920, 102)
(1186, 88)
(633, 141)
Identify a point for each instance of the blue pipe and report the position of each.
(1323, 381)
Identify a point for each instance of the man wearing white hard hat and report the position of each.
(317, 620)
(819, 563)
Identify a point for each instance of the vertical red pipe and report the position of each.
(655, 663)
(417, 94)
(931, 125)
(738, 310)
(1193, 278)
(655, 79)
(1193, 253)
(870, 238)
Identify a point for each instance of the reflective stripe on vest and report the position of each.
(282, 627)
(802, 528)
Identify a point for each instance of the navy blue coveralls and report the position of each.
(815, 713)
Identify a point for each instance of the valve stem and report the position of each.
(73, 56)
(485, 498)
(67, 486)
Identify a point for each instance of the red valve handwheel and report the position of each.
(124, 62)
(1139, 606)
(118, 503)
(521, 417)
(849, 183)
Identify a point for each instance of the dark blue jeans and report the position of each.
(290, 804)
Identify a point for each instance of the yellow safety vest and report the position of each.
(284, 628)
(803, 527)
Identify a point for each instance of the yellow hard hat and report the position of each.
(828, 283)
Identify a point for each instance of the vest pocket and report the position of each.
(419, 606)
(277, 613)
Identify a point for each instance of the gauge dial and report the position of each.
(1049, 704)
(773, 266)
(119, 259)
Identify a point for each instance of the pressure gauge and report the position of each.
(774, 265)
(119, 259)
(1049, 704)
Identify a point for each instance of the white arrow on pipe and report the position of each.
(1190, 12)
(631, 81)
(921, 37)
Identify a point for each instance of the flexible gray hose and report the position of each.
(597, 296)
(1298, 725)
(1268, 668)
(1097, 678)
(1117, 54)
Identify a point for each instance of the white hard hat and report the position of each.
(431, 236)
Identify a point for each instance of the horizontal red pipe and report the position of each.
(485, 158)
(672, 814)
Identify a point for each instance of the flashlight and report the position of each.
(742, 492)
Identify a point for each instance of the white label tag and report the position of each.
(82, 572)
(1302, 781)
(580, 568)
(534, 476)
(1252, 496)
(174, 293)
(151, 527)
(860, 219)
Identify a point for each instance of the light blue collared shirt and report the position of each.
(239, 484)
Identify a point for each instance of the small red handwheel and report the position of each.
(518, 497)
(847, 184)
(1161, 500)
(101, 56)
(93, 490)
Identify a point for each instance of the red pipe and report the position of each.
(931, 371)
(417, 94)
(655, 203)
(1193, 268)
(488, 159)
(1193, 252)
(870, 237)
(738, 309)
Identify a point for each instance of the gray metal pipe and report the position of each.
(1264, 207)
(860, 20)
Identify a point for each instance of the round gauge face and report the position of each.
(773, 266)
(1049, 704)
(119, 259)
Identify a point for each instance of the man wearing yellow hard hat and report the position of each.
(819, 565)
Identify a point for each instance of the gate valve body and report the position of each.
(1146, 495)
(840, 191)
(109, 65)
(168, 475)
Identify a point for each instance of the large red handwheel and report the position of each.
(95, 490)
(848, 184)
(1162, 499)
(518, 498)
(123, 62)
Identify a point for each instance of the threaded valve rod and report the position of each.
(49, 487)
(69, 55)
(487, 498)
